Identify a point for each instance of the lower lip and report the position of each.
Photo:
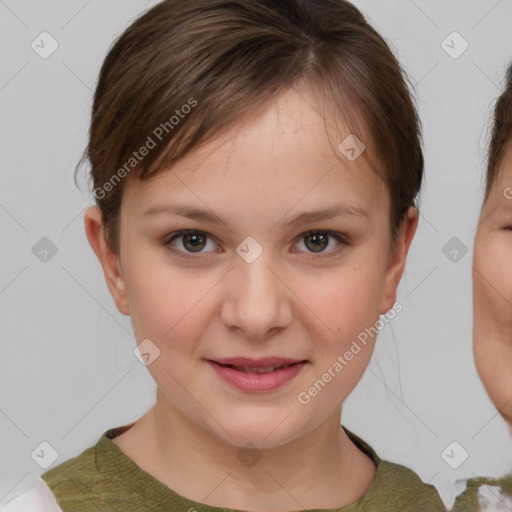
(257, 382)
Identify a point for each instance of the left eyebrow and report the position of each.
(339, 210)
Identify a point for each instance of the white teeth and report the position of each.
(266, 369)
(263, 369)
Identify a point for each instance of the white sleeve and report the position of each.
(38, 498)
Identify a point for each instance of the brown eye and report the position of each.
(194, 242)
(316, 243)
(187, 243)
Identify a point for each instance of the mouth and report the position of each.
(261, 375)
(263, 365)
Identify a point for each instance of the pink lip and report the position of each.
(257, 382)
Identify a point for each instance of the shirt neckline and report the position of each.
(118, 467)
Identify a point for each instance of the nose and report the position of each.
(256, 302)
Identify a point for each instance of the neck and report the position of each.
(322, 469)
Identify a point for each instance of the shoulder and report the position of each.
(78, 482)
(396, 487)
(400, 488)
(74, 481)
(38, 498)
(485, 495)
(97, 477)
(72, 469)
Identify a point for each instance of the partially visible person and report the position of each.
(492, 299)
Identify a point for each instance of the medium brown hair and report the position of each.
(501, 134)
(186, 70)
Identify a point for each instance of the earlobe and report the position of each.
(398, 258)
(110, 261)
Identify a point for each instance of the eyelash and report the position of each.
(341, 239)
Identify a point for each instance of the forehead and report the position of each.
(286, 153)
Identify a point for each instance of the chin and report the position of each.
(266, 431)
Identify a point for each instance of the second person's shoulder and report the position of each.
(485, 495)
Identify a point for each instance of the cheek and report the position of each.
(170, 309)
(492, 276)
(347, 302)
(492, 333)
(164, 301)
(352, 295)
(343, 340)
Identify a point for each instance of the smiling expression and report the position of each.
(318, 269)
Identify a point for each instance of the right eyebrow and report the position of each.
(190, 213)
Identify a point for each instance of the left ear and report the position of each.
(397, 259)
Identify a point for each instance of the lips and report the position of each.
(257, 375)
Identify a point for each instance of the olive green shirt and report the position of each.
(485, 494)
(103, 478)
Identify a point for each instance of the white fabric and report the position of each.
(449, 488)
(38, 498)
(491, 499)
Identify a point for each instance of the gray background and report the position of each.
(67, 367)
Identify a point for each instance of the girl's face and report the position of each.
(492, 291)
(246, 280)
